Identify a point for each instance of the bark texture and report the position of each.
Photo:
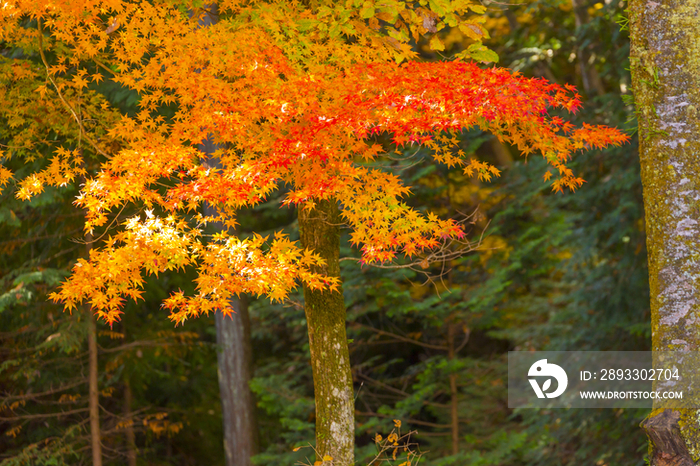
(234, 357)
(666, 437)
(235, 370)
(129, 430)
(454, 391)
(665, 65)
(330, 358)
(93, 390)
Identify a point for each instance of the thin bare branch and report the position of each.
(43, 416)
(401, 338)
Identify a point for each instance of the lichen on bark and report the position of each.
(330, 359)
(665, 65)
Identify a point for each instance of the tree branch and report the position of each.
(42, 416)
(408, 421)
(402, 338)
(77, 119)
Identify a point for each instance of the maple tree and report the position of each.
(296, 93)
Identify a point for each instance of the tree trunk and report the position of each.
(665, 65)
(93, 391)
(454, 392)
(130, 435)
(502, 153)
(235, 362)
(234, 357)
(330, 358)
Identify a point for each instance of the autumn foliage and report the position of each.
(298, 96)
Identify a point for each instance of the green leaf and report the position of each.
(436, 43)
(441, 7)
(480, 52)
(367, 10)
(306, 24)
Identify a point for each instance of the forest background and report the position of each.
(553, 271)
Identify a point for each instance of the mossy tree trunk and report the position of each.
(665, 64)
(330, 359)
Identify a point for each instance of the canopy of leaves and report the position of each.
(294, 91)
